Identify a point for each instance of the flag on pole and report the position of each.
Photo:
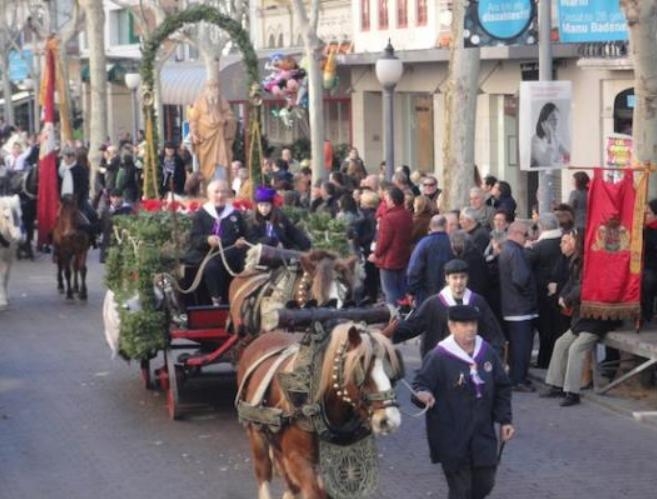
(613, 246)
(47, 195)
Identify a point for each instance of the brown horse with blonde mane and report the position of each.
(70, 247)
(319, 278)
(354, 397)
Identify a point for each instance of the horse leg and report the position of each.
(60, 278)
(74, 270)
(5, 261)
(298, 453)
(67, 276)
(261, 461)
(82, 268)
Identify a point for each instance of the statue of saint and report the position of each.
(213, 127)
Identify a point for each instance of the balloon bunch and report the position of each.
(286, 79)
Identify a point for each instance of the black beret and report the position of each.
(463, 313)
(456, 266)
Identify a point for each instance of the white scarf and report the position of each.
(450, 346)
(550, 234)
(67, 178)
(212, 211)
(447, 297)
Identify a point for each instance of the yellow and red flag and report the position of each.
(47, 194)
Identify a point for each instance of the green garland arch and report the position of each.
(170, 25)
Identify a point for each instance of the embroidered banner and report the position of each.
(611, 283)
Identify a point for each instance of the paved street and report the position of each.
(76, 424)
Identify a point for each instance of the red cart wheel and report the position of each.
(173, 395)
(145, 368)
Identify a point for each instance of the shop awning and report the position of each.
(17, 98)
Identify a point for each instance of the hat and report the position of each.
(170, 145)
(456, 266)
(463, 313)
(264, 195)
(116, 193)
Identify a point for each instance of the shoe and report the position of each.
(552, 392)
(523, 388)
(571, 399)
(587, 386)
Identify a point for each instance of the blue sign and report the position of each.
(583, 21)
(20, 65)
(505, 19)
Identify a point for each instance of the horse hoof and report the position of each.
(69, 296)
(83, 296)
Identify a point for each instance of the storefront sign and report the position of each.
(500, 22)
(591, 21)
(544, 125)
(20, 65)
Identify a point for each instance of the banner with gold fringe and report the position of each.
(613, 246)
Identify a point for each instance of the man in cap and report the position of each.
(467, 378)
(431, 318)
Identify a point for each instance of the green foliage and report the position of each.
(147, 243)
(327, 233)
(301, 148)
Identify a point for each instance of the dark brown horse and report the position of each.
(319, 277)
(354, 391)
(70, 246)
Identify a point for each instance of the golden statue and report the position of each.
(213, 127)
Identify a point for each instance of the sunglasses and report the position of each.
(429, 185)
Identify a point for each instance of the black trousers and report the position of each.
(470, 482)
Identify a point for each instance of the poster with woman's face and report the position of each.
(544, 129)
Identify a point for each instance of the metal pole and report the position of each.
(389, 116)
(30, 115)
(546, 195)
(134, 115)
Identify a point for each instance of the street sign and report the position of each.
(20, 65)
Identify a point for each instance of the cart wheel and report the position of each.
(145, 367)
(173, 394)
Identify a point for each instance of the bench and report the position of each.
(643, 344)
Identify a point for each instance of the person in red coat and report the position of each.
(393, 245)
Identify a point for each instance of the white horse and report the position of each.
(10, 237)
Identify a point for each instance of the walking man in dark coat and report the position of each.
(430, 319)
(464, 384)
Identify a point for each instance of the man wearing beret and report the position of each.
(430, 319)
(463, 384)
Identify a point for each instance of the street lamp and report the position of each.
(28, 85)
(389, 70)
(132, 81)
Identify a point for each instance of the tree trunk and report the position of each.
(95, 16)
(313, 51)
(642, 25)
(460, 114)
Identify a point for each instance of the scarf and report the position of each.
(446, 297)
(67, 178)
(550, 234)
(211, 210)
(452, 349)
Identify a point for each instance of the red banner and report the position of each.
(47, 195)
(611, 283)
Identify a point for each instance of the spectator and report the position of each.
(286, 155)
(503, 198)
(519, 303)
(544, 256)
(461, 426)
(117, 206)
(564, 375)
(482, 212)
(463, 248)
(430, 319)
(489, 183)
(430, 188)
(578, 199)
(423, 211)
(126, 178)
(566, 216)
(425, 269)
(173, 170)
(479, 235)
(649, 277)
(327, 202)
(393, 247)
(236, 180)
(366, 230)
(452, 221)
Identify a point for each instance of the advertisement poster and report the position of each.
(500, 22)
(618, 153)
(582, 21)
(544, 124)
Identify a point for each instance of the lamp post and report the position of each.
(132, 81)
(389, 70)
(28, 85)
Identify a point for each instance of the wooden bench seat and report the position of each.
(643, 344)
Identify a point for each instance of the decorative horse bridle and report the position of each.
(302, 289)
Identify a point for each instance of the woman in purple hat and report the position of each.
(270, 226)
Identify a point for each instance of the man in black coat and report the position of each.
(467, 379)
(519, 303)
(430, 319)
(219, 226)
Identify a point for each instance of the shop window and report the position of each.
(402, 13)
(383, 14)
(365, 15)
(280, 40)
(271, 43)
(623, 111)
(337, 121)
(421, 14)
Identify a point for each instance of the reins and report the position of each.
(414, 393)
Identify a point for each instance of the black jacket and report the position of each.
(177, 178)
(424, 274)
(460, 426)
(517, 283)
(543, 257)
(275, 229)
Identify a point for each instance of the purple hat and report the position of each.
(264, 195)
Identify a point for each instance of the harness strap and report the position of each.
(287, 351)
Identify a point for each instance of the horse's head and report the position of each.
(330, 278)
(359, 369)
(10, 218)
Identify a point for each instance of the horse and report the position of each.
(318, 278)
(70, 247)
(354, 396)
(10, 237)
